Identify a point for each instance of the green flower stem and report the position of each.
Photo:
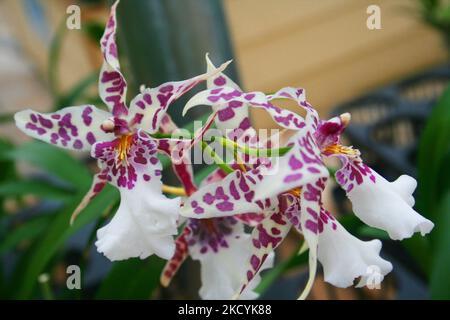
(232, 145)
(217, 159)
(44, 281)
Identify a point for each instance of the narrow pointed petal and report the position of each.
(345, 258)
(112, 84)
(98, 183)
(74, 128)
(146, 220)
(180, 160)
(230, 117)
(167, 125)
(181, 253)
(182, 169)
(310, 204)
(382, 204)
(265, 239)
(223, 256)
(230, 98)
(149, 107)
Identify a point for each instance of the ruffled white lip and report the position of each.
(222, 272)
(345, 258)
(388, 206)
(140, 228)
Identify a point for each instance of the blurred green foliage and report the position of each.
(437, 14)
(434, 195)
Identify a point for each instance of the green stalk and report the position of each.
(232, 145)
(217, 159)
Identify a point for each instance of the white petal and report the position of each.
(74, 128)
(146, 220)
(143, 225)
(222, 271)
(405, 186)
(345, 258)
(383, 205)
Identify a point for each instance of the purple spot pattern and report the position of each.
(63, 128)
(303, 160)
(211, 235)
(149, 107)
(354, 173)
(231, 98)
(226, 198)
(266, 237)
(113, 91)
(112, 84)
(315, 221)
(328, 132)
(139, 165)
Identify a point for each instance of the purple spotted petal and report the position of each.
(181, 162)
(229, 117)
(75, 128)
(112, 84)
(148, 108)
(180, 255)
(98, 183)
(228, 98)
(234, 194)
(265, 238)
(310, 207)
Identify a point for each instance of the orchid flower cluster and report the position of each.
(242, 211)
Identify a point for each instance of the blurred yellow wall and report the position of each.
(326, 47)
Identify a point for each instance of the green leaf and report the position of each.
(433, 157)
(78, 91)
(54, 161)
(203, 173)
(7, 166)
(132, 279)
(440, 271)
(58, 232)
(27, 231)
(433, 182)
(366, 231)
(54, 58)
(94, 30)
(41, 189)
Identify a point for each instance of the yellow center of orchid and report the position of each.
(296, 192)
(340, 149)
(123, 148)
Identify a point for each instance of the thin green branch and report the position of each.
(217, 159)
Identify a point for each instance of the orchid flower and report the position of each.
(298, 182)
(119, 139)
(220, 244)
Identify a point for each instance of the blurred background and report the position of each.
(393, 80)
